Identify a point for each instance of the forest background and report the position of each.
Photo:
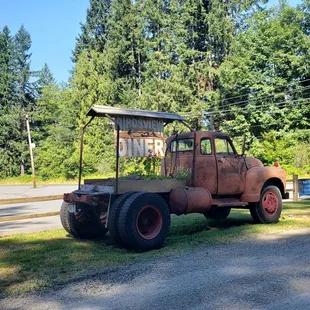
(232, 65)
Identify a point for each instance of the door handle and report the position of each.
(221, 160)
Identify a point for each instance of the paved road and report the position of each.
(22, 191)
(36, 224)
(30, 225)
(20, 209)
(270, 273)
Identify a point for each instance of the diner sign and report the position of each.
(141, 137)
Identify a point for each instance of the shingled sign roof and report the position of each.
(102, 111)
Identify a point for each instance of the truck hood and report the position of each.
(253, 162)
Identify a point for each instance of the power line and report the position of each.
(281, 104)
(307, 88)
(284, 103)
(254, 92)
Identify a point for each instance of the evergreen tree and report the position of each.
(6, 68)
(266, 65)
(24, 87)
(93, 35)
(9, 113)
(45, 78)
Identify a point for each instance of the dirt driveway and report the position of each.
(271, 272)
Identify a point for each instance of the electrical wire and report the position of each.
(254, 92)
(283, 103)
(307, 89)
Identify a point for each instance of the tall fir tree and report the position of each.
(25, 91)
(8, 111)
(94, 32)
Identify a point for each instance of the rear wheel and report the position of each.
(269, 208)
(144, 221)
(217, 213)
(113, 225)
(82, 223)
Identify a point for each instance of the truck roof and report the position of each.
(201, 134)
(102, 111)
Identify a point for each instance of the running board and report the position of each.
(229, 202)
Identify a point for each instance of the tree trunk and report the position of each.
(22, 168)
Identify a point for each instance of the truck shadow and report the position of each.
(195, 223)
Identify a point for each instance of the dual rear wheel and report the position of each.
(139, 221)
(82, 223)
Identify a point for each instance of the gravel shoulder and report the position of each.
(266, 272)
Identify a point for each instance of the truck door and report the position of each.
(179, 157)
(205, 171)
(230, 168)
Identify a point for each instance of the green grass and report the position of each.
(40, 260)
(27, 179)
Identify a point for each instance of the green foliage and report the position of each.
(291, 150)
(228, 65)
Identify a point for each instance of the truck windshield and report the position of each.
(185, 145)
(223, 147)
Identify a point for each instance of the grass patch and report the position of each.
(36, 261)
(27, 180)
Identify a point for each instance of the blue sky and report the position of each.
(53, 26)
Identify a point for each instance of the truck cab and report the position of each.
(217, 167)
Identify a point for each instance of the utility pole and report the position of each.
(30, 150)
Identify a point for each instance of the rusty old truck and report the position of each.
(136, 212)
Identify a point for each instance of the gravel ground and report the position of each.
(272, 272)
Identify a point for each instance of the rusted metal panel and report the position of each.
(231, 174)
(256, 177)
(228, 202)
(189, 200)
(206, 172)
(134, 184)
(149, 186)
(72, 197)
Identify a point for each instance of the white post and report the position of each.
(30, 150)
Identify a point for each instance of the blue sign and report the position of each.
(304, 187)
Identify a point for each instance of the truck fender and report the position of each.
(259, 177)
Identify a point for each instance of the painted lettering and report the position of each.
(138, 147)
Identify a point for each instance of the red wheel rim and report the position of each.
(149, 222)
(270, 203)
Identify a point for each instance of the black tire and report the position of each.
(144, 221)
(253, 211)
(268, 209)
(217, 213)
(83, 224)
(64, 217)
(113, 225)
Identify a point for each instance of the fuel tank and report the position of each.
(184, 200)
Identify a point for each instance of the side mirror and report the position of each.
(243, 145)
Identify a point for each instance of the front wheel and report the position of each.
(268, 209)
